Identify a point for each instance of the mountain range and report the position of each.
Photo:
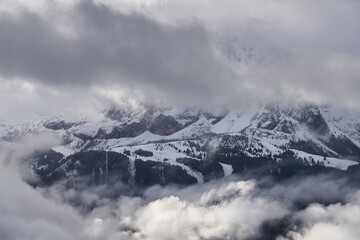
(151, 145)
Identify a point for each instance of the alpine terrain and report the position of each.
(187, 146)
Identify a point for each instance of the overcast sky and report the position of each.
(78, 57)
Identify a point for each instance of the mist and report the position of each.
(76, 59)
(167, 53)
(236, 207)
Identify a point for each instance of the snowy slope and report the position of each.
(264, 130)
(342, 164)
(343, 122)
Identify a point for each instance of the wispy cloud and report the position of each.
(166, 52)
(232, 208)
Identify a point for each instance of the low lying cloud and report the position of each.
(336, 221)
(312, 207)
(27, 213)
(210, 217)
(229, 208)
(78, 57)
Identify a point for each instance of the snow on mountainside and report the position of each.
(311, 159)
(190, 138)
(343, 122)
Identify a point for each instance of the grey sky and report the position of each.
(78, 57)
(166, 52)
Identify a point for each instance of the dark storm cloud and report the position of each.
(146, 54)
(109, 47)
(178, 59)
(152, 56)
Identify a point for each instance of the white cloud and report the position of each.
(336, 221)
(232, 208)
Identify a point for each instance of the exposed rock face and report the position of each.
(313, 118)
(58, 125)
(164, 125)
(132, 130)
(287, 119)
(151, 120)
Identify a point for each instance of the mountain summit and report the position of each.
(189, 145)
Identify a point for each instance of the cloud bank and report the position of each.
(167, 52)
(231, 208)
(77, 57)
